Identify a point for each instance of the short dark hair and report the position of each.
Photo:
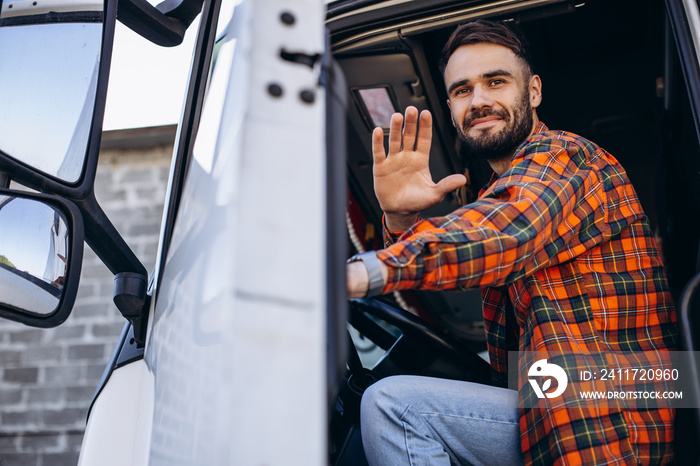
(489, 32)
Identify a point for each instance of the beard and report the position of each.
(498, 145)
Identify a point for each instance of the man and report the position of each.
(562, 250)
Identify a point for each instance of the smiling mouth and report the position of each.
(484, 121)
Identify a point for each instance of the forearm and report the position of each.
(432, 253)
(489, 243)
(438, 262)
(446, 253)
(529, 219)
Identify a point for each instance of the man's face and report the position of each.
(490, 99)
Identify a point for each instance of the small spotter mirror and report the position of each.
(377, 106)
(41, 252)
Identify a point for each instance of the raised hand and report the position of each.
(402, 180)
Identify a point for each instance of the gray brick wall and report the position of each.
(48, 376)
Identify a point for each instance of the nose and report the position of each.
(480, 98)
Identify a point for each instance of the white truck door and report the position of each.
(238, 337)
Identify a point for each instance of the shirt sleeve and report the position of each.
(549, 207)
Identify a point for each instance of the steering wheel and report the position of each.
(422, 349)
(419, 340)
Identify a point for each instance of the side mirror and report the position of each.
(41, 253)
(54, 65)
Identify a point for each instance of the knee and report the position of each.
(380, 422)
(371, 400)
(382, 403)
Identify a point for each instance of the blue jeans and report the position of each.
(423, 421)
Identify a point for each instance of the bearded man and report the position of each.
(564, 255)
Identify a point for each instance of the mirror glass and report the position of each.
(49, 63)
(34, 243)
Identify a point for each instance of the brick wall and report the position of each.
(48, 376)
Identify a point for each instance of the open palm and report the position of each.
(402, 180)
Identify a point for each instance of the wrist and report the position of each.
(400, 222)
(357, 280)
(366, 276)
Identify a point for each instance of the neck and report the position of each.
(502, 164)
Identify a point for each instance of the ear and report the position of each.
(535, 91)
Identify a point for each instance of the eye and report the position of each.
(497, 82)
(462, 91)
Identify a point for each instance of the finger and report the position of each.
(425, 132)
(410, 128)
(450, 183)
(378, 145)
(395, 133)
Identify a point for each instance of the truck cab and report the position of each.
(240, 346)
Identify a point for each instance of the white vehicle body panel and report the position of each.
(118, 430)
(238, 337)
(30, 7)
(235, 360)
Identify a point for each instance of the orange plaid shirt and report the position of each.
(561, 241)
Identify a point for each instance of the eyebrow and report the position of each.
(490, 74)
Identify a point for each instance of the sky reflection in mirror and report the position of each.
(34, 244)
(48, 81)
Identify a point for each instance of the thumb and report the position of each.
(450, 183)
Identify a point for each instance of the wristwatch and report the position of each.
(374, 269)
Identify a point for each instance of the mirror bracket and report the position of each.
(164, 24)
(130, 276)
(131, 299)
(104, 239)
